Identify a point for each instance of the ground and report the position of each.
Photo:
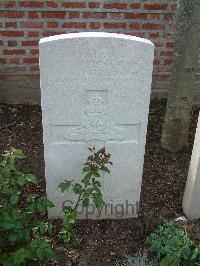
(163, 184)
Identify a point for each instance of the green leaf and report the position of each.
(169, 261)
(97, 183)
(21, 255)
(31, 178)
(64, 186)
(77, 189)
(195, 253)
(43, 204)
(88, 192)
(6, 171)
(97, 199)
(105, 169)
(95, 173)
(21, 180)
(19, 154)
(3, 258)
(86, 179)
(42, 249)
(69, 218)
(86, 169)
(14, 199)
(49, 253)
(42, 227)
(85, 202)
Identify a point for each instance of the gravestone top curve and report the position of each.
(94, 34)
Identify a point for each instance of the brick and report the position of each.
(54, 14)
(31, 60)
(115, 5)
(73, 4)
(52, 24)
(81, 25)
(74, 15)
(11, 24)
(116, 15)
(13, 60)
(12, 43)
(165, 78)
(155, 6)
(32, 14)
(32, 78)
(37, 4)
(134, 26)
(158, 44)
(30, 43)
(174, 7)
(52, 4)
(154, 35)
(3, 60)
(95, 25)
(153, 26)
(167, 61)
(9, 4)
(29, 24)
(51, 33)
(170, 45)
(34, 68)
(168, 35)
(34, 51)
(169, 17)
(11, 14)
(15, 69)
(156, 62)
(3, 77)
(139, 34)
(154, 16)
(14, 51)
(135, 16)
(135, 5)
(113, 25)
(93, 5)
(33, 34)
(166, 53)
(12, 33)
(172, 27)
(94, 15)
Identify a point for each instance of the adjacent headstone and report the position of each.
(191, 199)
(95, 92)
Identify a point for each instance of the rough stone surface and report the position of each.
(95, 91)
(191, 199)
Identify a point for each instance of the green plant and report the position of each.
(23, 237)
(173, 246)
(140, 259)
(88, 189)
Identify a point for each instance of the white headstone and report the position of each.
(191, 199)
(95, 92)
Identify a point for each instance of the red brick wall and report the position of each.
(23, 23)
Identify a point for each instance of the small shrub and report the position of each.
(173, 246)
(88, 189)
(23, 237)
(140, 259)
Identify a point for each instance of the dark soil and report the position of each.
(163, 184)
